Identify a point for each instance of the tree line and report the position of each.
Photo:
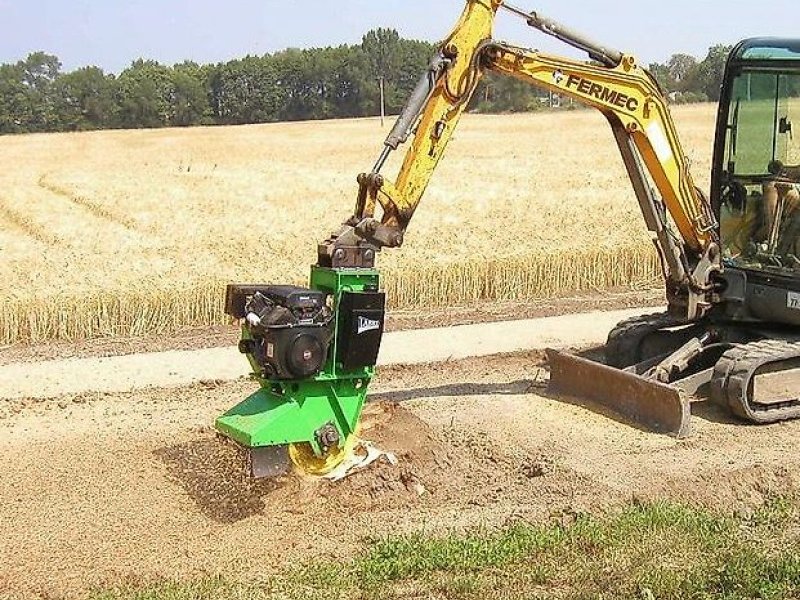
(293, 84)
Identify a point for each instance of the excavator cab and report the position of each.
(756, 180)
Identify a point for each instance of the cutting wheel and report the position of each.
(304, 458)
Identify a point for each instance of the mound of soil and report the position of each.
(434, 467)
(212, 472)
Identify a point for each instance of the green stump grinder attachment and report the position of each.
(313, 352)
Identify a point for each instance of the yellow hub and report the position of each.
(306, 461)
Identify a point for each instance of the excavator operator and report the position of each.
(783, 192)
(750, 220)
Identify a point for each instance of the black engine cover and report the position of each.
(290, 328)
(294, 352)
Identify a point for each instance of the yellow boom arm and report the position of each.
(625, 93)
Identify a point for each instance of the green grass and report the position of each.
(659, 551)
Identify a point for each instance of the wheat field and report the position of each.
(137, 232)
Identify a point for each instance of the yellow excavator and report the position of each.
(731, 263)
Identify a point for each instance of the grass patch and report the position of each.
(658, 551)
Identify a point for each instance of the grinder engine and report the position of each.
(313, 350)
(289, 328)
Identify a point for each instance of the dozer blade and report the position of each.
(654, 405)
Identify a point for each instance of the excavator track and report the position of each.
(624, 341)
(735, 386)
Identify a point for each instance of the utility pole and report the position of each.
(383, 101)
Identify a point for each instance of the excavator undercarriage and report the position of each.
(656, 365)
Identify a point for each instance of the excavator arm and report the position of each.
(313, 350)
(431, 116)
(626, 94)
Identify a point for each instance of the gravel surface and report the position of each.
(103, 489)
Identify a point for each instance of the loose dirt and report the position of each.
(99, 490)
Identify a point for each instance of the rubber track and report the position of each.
(622, 346)
(733, 374)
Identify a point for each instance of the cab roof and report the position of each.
(760, 49)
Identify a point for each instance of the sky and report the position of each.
(112, 33)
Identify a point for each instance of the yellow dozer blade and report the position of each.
(653, 405)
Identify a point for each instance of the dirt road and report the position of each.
(175, 368)
(102, 489)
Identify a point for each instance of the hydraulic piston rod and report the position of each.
(414, 107)
(607, 56)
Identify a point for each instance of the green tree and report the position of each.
(413, 58)
(682, 69)
(14, 102)
(245, 91)
(661, 72)
(189, 102)
(711, 70)
(352, 93)
(382, 47)
(145, 95)
(39, 72)
(295, 83)
(86, 99)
